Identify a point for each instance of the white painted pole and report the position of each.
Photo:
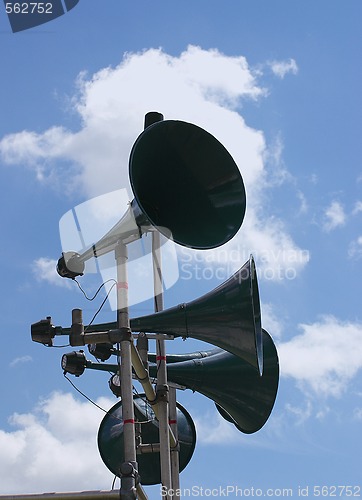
(175, 465)
(129, 467)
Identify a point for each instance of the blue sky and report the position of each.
(278, 83)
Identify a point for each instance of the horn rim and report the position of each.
(255, 298)
(152, 142)
(274, 360)
(234, 298)
(241, 396)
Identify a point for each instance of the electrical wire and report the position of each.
(95, 295)
(88, 398)
(58, 346)
(100, 307)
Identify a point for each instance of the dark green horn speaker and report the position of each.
(240, 394)
(185, 180)
(228, 317)
(185, 184)
(110, 439)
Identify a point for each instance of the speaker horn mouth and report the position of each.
(228, 317)
(257, 315)
(242, 397)
(184, 179)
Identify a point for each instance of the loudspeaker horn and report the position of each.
(110, 439)
(241, 396)
(228, 317)
(239, 393)
(185, 184)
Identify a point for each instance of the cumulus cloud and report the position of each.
(214, 429)
(334, 216)
(271, 322)
(204, 87)
(53, 448)
(112, 103)
(324, 358)
(282, 68)
(44, 269)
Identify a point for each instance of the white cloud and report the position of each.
(271, 322)
(357, 208)
(277, 257)
(273, 157)
(112, 103)
(203, 87)
(334, 216)
(44, 269)
(214, 429)
(34, 150)
(303, 203)
(20, 360)
(300, 413)
(282, 68)
(53, 448)
(355, 249)
(324, 358)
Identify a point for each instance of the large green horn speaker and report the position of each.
(185, 184)
(228, 317)
(185, 180)
(110, 439)
(240, 394)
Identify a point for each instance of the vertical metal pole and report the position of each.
(169, 462)
(175, 465)
(129, 468)
(162, 387)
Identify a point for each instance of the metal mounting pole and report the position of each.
(129, 468)
(175, 463)
(169, 462)
(162, 387)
